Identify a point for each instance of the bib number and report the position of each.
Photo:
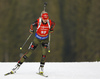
(43, 32)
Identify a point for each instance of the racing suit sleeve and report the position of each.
(34, 24)
(52, 26)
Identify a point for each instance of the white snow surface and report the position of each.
(54, 70)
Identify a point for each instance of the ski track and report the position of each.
(54, 70)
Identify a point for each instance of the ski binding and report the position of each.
(42, 75)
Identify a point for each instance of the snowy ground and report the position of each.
(54, 70)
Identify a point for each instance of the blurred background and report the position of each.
(76, 36)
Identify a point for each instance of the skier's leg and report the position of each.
(27, 54)
(23, 58)
(43, 58)
(32, 46)
(44, 51)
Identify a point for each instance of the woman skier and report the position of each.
(43, 26)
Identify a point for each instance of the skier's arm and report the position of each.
(52, 26)
(34, 24)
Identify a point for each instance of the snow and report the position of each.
(54, 70)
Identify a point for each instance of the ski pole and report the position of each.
(25, 42)
(49, 43)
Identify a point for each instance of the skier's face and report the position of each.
(44, 20)
(45, 17)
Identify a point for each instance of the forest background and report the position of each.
(76, 36)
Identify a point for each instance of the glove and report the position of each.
(51, 31)
(31, 31)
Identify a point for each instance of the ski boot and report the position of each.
(15, 68)
(41, 69)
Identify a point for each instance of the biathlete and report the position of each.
(43, 25)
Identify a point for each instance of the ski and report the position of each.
(8, 73)
(42, 75)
